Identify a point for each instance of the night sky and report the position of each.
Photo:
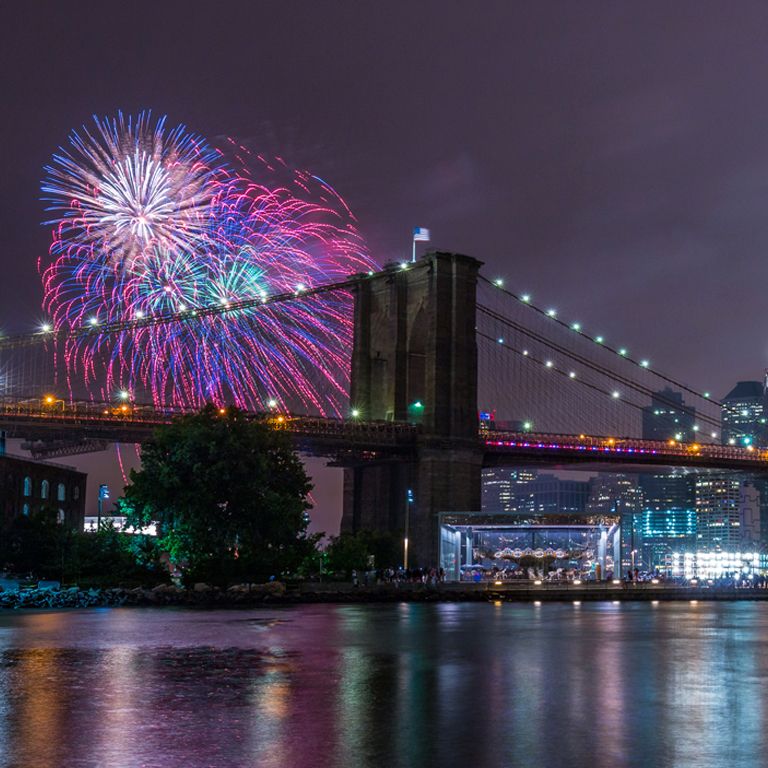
(609, 158)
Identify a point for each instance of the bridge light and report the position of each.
(549, 363)
(222, 411)
(679, 436)
(706, 394)
(525, 353)
(572, 375)
(418, 404)
(750, 447)
(139, 314)
(611, 441)
(746, 440)
(695, 427)
(49, 399)
(713, 434)
(552, 312)
(581, 437)
(671, 441)
(45, 327)
(731, 441)
(403, 265)
(280, 419)
(616, 394)
(599, 339)
(527, 426)
(623, 352)
(355, 413)
(300, 287)
(124, 394)
(644, 363)
(499, 282)
(526, 297)
(182, 307)
(500, 340)
(94, 321)
(576, 327)
(272, 403)
(370, 273)
(123, 408)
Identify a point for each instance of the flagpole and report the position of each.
(413, 257)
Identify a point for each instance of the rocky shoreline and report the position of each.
(277, 593)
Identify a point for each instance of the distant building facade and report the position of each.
(30, 487)
(744, 415)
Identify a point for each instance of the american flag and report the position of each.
(419, 233)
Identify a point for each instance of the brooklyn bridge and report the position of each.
(450, 373)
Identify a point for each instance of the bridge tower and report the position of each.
(414, 359)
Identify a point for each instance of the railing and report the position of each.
(622, 445)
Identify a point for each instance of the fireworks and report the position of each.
(150, 221)
(128, 187)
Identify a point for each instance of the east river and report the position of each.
(597, 684)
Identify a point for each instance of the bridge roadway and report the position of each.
(55, 427)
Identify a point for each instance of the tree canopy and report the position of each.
(228, 494)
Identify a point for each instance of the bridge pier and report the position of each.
(415, 359)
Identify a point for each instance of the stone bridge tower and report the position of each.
(415, 359)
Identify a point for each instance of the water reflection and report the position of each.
(450, 685)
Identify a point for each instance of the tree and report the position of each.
(353, 551)
(228, 494)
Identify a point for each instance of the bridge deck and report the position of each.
(38, 420)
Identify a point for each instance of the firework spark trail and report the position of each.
(153, 221)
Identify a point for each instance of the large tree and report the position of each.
(228, 494)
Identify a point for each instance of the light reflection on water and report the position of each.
(598, 684)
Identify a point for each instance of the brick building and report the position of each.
(29, 487)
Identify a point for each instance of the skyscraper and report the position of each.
(718, 500)
(668, 519)
(743, 414)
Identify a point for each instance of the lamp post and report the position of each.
(103, 494)
(409, 501)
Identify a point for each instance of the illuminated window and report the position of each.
(27, 488)
(25, 510)
(61, 494)
(45, 488)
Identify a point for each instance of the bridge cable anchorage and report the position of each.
(525, 301)
(596, 367)
(567, 374)
(189, 314)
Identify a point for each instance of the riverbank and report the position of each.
(276, 593)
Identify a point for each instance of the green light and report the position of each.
(599, 339)
(706, 394)
(623, 352)
(355, 413)
(576, 327)
(527, 426)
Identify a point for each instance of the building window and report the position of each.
(45, 488)
(62, 492)
(60, 516)
(27, 488)
(25, 510)
(76, 492)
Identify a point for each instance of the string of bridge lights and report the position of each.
(94, 325)
(527, 300)
(572, 375)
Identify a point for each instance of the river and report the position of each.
(598, 684)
